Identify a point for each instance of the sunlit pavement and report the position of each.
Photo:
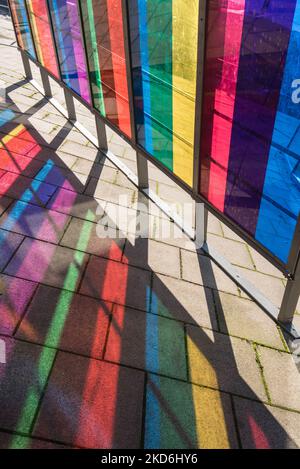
(123, 342)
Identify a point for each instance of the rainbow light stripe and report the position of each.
(163, 38)
(41, 32)
(69, 43)
(251, 129)
(22, 28)
(104, 35)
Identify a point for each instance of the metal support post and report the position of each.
(292, 291)
(142, 171)
(201, 221)
(290, 299)
(101, 134)
(46, 83)
(70, 105)
(26, 65)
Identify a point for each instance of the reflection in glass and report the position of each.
(67, 31)
(164, 37)
(104, 36)
(250, 135)
(20, 20)
(38, 16)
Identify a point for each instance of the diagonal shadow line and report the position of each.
(180, 311)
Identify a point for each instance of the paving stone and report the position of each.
(280, 368)
(34, 221)
(271, 287)
(214, 225)
(235, 251)
(228, 233)
(4, 203)
(123, 181)
(16, 294)
(265, 427)
(100, 404)
(28, 190)
(184, 416)
(168, 232)
(264, 266)
(9, 242)
(76, 205)
(59, 158)
(61, 177)
(183, 301)
(130, 154)
(86, 167)
(110, 192)
(151, 255)
(243, 318)
(127, 220)
(116, 149)
(117, 282)
(60, 319)
(45, 263)
(201, 270)
(94, 239)
(158, 345)
(79, 150)
(22, 381)
(19, 164)
(224, 363)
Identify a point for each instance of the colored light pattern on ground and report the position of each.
(20, 19)
(250, 149)
(175, 416)
(164, 60)
(104, 35)
(42, 36)
(69, 44)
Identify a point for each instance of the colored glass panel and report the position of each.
(22, 28)
(67, 31)
(104, 36)
(41, 31)
(248, 152)
(163, 37)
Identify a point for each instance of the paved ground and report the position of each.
(122, 343)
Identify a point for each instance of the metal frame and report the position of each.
(100, 125)
(282, 316)
(201, 46)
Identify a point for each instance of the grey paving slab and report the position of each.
(117, 282)
(60, 319)
(34, 221)
(94, 239)
(243, 318)
(183, 301)
(159, 344)
(92, 404)
(22, 381)
(155, 256)
(282, 377)
(76, 205)
(14, 298)
(49, 264)
(189, 417)
(203, 271)
(265, 427)
(222, 362)
(9, 242)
